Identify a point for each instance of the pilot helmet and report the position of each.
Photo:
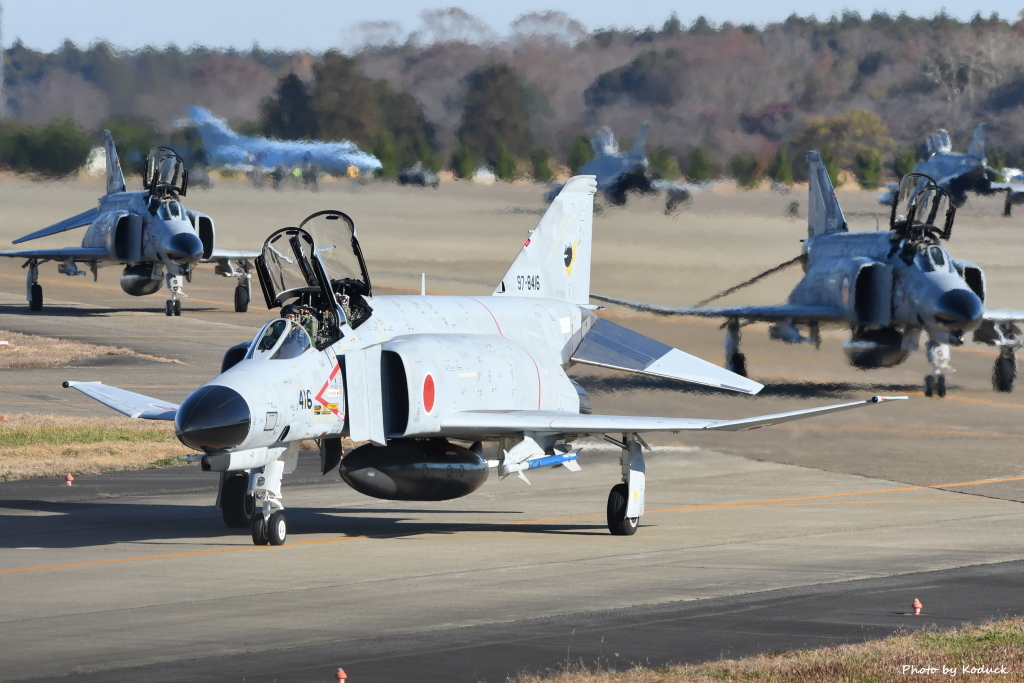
(290, 309)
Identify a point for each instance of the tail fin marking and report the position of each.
(555, 261)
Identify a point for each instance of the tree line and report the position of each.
(735, 100)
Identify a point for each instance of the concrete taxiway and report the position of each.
(134, 575)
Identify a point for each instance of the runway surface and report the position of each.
(747, 538)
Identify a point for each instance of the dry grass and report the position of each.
(30, 351)
(48, 446)
(936, 655)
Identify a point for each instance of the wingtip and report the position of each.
(883, 399)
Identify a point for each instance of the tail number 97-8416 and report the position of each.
(530, 282)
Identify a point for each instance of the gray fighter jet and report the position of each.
(148, 232)
(959, 174)
(889, 288)
(408, 374)
(619, 174)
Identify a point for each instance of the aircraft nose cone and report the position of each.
(959, 308)
(184, 247)
(213, 418)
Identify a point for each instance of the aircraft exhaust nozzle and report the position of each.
(213, 418)
(184, 247)
(959, 308)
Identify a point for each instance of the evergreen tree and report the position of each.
(868, 167)
(462, 163)
(580, 153)
(780, 169)
(288, 115)
(745, 169)
(495, 114)
(701, 167)
(541, 165)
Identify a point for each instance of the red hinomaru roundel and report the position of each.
(428, 393)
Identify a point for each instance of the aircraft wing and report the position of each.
(1004, 316)
(126, 402)
(499, 423)
(226, 255)
(612, 346)
(797, 312)
(82, 219)
(80, 253)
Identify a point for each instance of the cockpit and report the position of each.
(165, 173)
(933, 259)
(319, 268)
(280, 339)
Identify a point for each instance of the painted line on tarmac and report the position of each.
(173, 555)
(774, 502)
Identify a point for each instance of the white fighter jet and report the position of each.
(407, 375)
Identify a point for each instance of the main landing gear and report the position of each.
(34, 291)
(236, 505)
(938, 355)
(1005, 370)
(240, 271)
(626, 500)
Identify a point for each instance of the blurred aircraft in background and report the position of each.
(959, 174)
(277, 159)
(618, 173)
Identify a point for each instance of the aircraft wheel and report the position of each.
(1003, 374)
(260, 534)
(618, 523)
(35, 302)
(169, 307)
(236, 505)
(929, 386)
(739, 364)
(940, 386)
(241, 299)
(277, 529)
(177, 307)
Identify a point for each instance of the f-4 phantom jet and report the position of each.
(888, 288)
(959, 174)
(409, 375)
(148, 232)
(619, 174)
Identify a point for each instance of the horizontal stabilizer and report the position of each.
(612, 346)
(82, 219)
(126, 402)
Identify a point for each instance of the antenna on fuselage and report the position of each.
(423, 284)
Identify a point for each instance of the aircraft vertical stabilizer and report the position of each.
(824, 214)
(977, 147)
(639, 150)
(115, 178)
(555, 261)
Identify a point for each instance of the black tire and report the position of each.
(35, 302)
(277, 529)
(177, 307)
(241, 299)
(940, 386)
(169, 307)
(1003, 374)
(236, 505)
(618, 523)
(929, 385)
(739, 364)
(259, 530)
